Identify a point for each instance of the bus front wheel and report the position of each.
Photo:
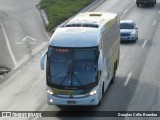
(102, 93)
(137, 4)
(113, 77)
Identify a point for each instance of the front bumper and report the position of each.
(75, 101)
(128, 38)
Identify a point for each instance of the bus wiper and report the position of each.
(61, 75)
(63, 78)
(78, 80)
(66, 75)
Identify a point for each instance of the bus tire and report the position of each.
(100, 102)
(137, 4)
(152, 4)
(113, 78)
(116, 65)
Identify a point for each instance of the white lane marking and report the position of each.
(154, 22)
(19, 43)
(8, 45)
(128, 78)
(32, 42)
(28, 37)
(144, 43)
(14, 75)
(125, 11)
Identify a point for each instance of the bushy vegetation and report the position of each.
(59, 10)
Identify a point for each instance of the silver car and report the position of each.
(128, 30)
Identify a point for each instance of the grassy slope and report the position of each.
(59, 10)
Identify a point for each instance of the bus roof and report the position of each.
(75, 37)
(92, 18)
(82, 31)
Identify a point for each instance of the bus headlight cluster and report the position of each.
(50, 100)
(50, 92)
(93, 92)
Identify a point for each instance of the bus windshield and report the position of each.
(72, 67)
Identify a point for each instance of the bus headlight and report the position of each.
(93, 92)
(50, 100)
(50, 92)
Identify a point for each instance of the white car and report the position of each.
(128, 30)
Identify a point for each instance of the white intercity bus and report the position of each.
(82, 59)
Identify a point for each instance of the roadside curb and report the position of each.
(43, 15)
(35, 52)
(3, 70)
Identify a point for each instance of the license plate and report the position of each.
(124, 38)
(71, 102)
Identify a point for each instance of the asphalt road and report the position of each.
(136, 87)
(21, 31)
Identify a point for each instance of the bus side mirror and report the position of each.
(42, 60)
(100, 61)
